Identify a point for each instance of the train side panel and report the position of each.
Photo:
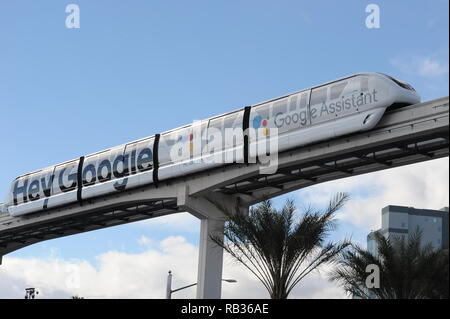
(325, 112)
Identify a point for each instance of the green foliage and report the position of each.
(276, 248)
(408, 269)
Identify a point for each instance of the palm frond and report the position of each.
(278, 249)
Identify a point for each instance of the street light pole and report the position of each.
(169, 286)
(169, 290)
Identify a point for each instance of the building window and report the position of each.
(439, 229)
(404, 225)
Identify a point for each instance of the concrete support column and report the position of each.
(210, 210)
(209, 281)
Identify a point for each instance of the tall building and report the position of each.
(404, 221)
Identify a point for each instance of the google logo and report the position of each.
(259, 122)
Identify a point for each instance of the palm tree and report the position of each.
(279, 251)
(407, 269)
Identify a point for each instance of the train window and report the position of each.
(337, 89)
(65, 178)
(400, 83)
(303, 100)
(364, 84)
(318, 111)
(169, 139)
(214, 127)
(199, 131)
(230, 121)
(141, 154)
(216, 123)
(215, 134)
(166, 143)
(293, 103)
(260, 117)
(92, 172)
(19, 189)
(184, 145)
(261, 111)
(232, 130)
(280, 107)
(284, 120)
(319, 96)
(163, 154)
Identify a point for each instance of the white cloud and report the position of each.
(179, 222)
(429, 66)
(422, 185)
(143, 275)
(145, 241)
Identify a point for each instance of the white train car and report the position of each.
(347, 105)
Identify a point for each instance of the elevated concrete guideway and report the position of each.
(404, 136)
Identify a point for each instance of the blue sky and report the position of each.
(136, 68)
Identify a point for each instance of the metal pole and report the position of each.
(169, 286)
(191, 285)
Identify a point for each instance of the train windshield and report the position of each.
(400, 83)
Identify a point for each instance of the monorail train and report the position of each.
(347, 105)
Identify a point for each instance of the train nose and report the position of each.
(417, 97)
(407, 97)
(412, 97)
